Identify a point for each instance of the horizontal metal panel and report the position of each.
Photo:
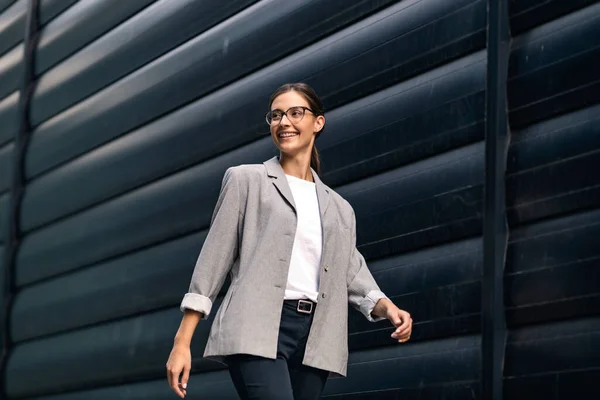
(67, 33)
(151, 33)
(553, 348)
(11, 70)
(448, 391)
(4, 204)
(149, 279)
(4, 4)
(556, 189)
(439, 286)
(410, 365)
(78, 26)
(550, 167)
(436, 111)
(567, 291)
(12, 25)
(553, 269)
(581, 385)
(51, 8)
(431, 268)
(328, 65)
(9, 118)
(6, 166)
(122, 351)
(170, 207)
(556, 49)
(419, 205)
(550, 141)
(527, 14)
(553, 243)
(215, 385)
(12, 20)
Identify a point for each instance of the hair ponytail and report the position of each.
(315, 162)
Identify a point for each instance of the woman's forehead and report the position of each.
(287, 100)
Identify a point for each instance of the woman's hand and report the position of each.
(399, 318)
(180, 361)
(402, 321)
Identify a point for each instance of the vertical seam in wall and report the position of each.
(21, 140)
(495, 226)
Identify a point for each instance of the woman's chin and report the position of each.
(291, 148)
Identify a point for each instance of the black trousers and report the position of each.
(284, 378)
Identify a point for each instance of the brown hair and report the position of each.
(315, 104)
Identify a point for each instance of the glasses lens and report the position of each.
(274, 116)
(296, 114)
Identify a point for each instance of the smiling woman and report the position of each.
(288, 241)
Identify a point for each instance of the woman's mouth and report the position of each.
(287, 135)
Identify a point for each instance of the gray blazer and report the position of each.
(250, 237)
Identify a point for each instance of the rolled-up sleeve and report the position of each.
(220, 248)
(363, 291)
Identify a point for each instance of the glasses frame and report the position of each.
(305, 109)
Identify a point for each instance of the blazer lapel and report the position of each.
(322, 195)
(275, 171)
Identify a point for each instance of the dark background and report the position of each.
(118, 124)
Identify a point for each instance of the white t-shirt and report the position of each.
(303, 277)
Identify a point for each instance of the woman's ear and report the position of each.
(319, 123)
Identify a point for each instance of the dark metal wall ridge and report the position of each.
(495, 228)
(18, 182)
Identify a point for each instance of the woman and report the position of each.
(288, 243)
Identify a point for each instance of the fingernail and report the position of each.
(185, 385)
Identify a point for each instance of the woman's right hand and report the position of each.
(180, 361)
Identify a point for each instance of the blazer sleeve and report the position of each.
(363, 291)
(220, 248)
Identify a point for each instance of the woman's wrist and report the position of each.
(182, 341)
(381, 307)
(183, 337)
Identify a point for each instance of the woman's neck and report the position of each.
(298, 166)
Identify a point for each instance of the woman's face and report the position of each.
(292, 132)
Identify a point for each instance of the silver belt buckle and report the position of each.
(302, 310)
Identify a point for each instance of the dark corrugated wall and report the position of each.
(140, 106)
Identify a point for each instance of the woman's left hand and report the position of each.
(401, 320)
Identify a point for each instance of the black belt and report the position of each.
(303, 306)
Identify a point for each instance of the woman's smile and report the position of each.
(287, 135)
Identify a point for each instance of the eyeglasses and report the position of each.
(294, 114)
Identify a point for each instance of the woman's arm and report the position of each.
(180, 359)
(365, 296)
(187, 327)
(363, 291)
(220, 248)
(218, 253)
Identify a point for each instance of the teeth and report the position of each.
(287, 134)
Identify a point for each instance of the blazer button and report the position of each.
(326, 268)
(323, 295)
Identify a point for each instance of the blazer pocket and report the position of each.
(227, 300)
